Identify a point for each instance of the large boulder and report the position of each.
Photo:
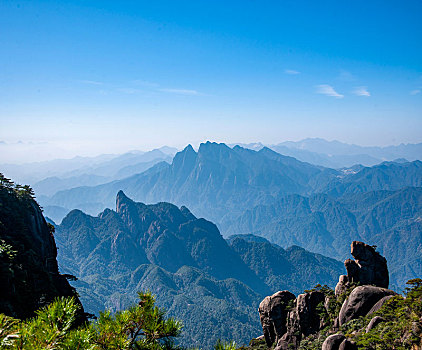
(273, 311)
(286, 324)
(341, 286)
(338, 342)
(360, 302)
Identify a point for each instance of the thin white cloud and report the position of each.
(361, 91)
(415, 92)
(90, 82)
(291, 71)
(328, 90)
(182, 92)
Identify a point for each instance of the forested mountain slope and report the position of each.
(285, 200)
(213, 286)
(389, 219)
(212, 182)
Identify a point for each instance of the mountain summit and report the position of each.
(212, 182)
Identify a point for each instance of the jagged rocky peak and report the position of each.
(186, 155)
(368, 268)
(287, 320)
(214, 150)
(121, 200)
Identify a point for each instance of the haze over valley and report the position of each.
(252, 169)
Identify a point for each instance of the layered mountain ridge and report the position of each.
(287, 201)
(186, 262)
(221, 178)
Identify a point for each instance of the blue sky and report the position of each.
(89, 77)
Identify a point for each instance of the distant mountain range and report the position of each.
(287, 201)
(392, 220)
(219, 181)
(214, 286)
(49, 177)
(105, 168)
(317, 151)
(335, 154)
(266, 204)
(214, 182)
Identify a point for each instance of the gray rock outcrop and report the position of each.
(360, 302)
(286, 326)
(29, 276)
(347, 344)
(286, 320)
(338, 342)
(367, 268)
(306, 305)
(273, 311)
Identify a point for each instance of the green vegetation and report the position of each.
(139, 327)
(22, 191)
(401, 328)
(225, 345)
(402, 325)
(28, 267)
(212, 286)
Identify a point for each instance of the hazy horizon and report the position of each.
(84, 79)
(25, 157)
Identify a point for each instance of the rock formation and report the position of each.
(367, 268)
(273, 312)
(333, 342)
(286, 320)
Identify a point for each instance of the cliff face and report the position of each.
(29, 273)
